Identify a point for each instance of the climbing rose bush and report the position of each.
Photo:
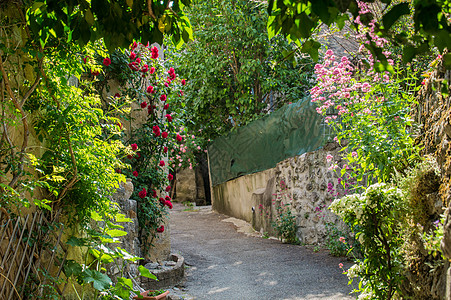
(154, 130)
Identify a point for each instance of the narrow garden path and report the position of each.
(226, 264)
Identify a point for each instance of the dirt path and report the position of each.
(226, 264)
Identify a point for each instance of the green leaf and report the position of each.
(394, 14)
(96, 217)
(99, 280)
(146, 273)
(71, 267)
(77, 242)
(103, 257)
(122, 218)
(116, 232)
(89, 17)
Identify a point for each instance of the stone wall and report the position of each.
(434, 113)
(303, 181)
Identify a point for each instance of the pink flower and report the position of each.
(142, 193)
(135, 173)
(183, 82)
(134, 147)
(340, 265)
(144, 104)
(164, 134)
(106, 62)
(342, 239)
(179, 138)
(161, 163)
(160, 229)
(163, 97)
(354, 154)
(329, 158)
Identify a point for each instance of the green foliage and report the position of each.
(235, 74)
(378, 217)
(97, 253)
(285, 222)
(298, 20)
(341, 242)
(118, 23)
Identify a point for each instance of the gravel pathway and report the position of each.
(223, 263)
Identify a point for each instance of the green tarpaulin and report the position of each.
(292, 130)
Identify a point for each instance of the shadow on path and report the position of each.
(225, 264)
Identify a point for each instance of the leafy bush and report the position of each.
(285, 222)
(378, 216)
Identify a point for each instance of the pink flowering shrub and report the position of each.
(369, 109)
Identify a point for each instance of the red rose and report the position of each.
(142, 193)
(170, 177)
(183, 82)
(138, 155)
(129, 156)
(169, 117)
(165, 149)
(168, 188)
(134, 45)
(168, 204)
(162, 201)
(106, 61)
(161, 163)
(117, 95)
(154, 193)
(144, 104)
(160, 229)
(118, 171)
(156, 130)
(164, 134)
(152, 70)
(138, 60)
(179, 138)
(135, 173)
(145, 68)
(154, 51)
(95, 73)
(132, 55)
(163, 97)
(134, 147)
(150, 89)
(171, 71)
(166, 106)
(85, 59)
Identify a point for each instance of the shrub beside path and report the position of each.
(224, 263)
